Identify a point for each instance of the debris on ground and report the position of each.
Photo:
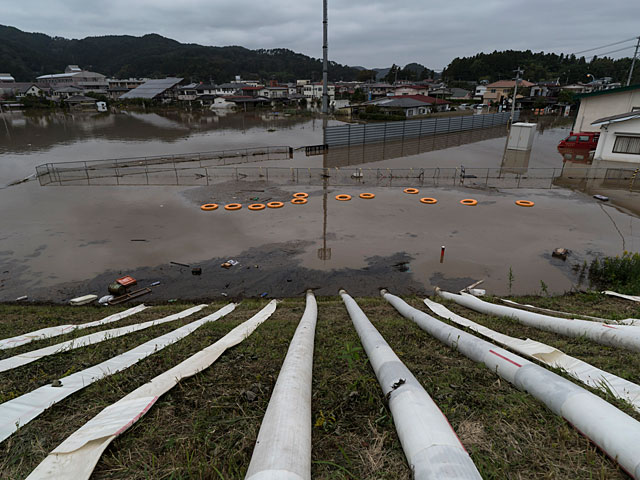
(154, 284)
(560, 253)
(402, 266)
(229, 263)
(601, 197)
(23, 297)
(106, 299)
(196, 271)
(180, 264)
(83, 300)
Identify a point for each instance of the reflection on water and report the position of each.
(29, 132)
(375, 152)
(515, 161)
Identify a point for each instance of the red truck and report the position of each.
(581, 141)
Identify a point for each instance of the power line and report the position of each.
(612, 51)
(604, 46)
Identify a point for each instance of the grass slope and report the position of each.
(206, 427)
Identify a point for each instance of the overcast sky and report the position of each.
(371, 33)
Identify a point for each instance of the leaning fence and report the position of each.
(129, 171)
(578, 177)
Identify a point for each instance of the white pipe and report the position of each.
(633, 298)
(62, 329)
(432, 448)
(91, 339)
(626, 321)
(615, 432)
(625, 336)
(582, 371)
(283, 447)
(76, 457)
(18, 411)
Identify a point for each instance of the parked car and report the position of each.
(581, 140)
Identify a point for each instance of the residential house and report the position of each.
(605, 103)
(500, 91)
(229, 89)
(77, 77)
(61, 93)
(479, 92)
(275, 92)
(410, 89)
(314, 91)
(578, 88)
(460, 94)
(619, 138)
(19, 89)
(373, 90)
(189, 92)
(410, 105)
(252, 91)
(440, 92)
(81, 102)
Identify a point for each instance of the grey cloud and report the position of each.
(372, 33)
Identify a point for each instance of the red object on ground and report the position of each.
(127, 281)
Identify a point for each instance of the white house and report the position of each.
(605, 103)
(315, 91)
(619, 138)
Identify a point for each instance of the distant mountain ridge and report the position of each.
(27, 55)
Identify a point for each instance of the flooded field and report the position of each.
(60, 241)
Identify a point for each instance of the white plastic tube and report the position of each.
(582, 371)
(77, 456)
(625, 336)
(93, 338)
(615, 432)
(633, 298)
(626, 321)
(283, 447)
(432, 448)
(18, 411)
(62, 329)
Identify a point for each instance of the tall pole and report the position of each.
(633, 62)
(513, 100)
(325, 62)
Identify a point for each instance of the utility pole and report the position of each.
(325, 62)
(635, 54)
(518, 71)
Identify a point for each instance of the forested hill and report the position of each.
(28, 55)
(538, 67)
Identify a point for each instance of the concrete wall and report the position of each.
(604, 151)
(593, 108)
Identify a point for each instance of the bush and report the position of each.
(619, 273)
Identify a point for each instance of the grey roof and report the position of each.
(232, 85)
(622, 117)
(459, 92)
(69, 89)
(399, 102)
(79, 99)
(152, 88)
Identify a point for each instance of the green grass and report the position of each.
(206, 426)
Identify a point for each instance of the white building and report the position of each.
(480, 91)
(605, 103)
(314, 91)
(77, 77)
(619, 138)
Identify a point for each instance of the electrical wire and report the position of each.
(605, 46)
(612, 51)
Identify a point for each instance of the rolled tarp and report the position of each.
(283, 447)
(432, 448)
(18, 411)
(622, 336)
(626, 321)
(582, 371)
(77, 456)
(62, 329)
(615, 432)
(91, 339)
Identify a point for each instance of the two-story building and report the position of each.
(77, 77)
(605, 103)
(500, 91)
(314, 91)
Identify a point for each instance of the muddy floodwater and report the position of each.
(57, 242)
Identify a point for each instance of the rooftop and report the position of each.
(152, 88)
(509, 84)
(610, 91)
(621, 117)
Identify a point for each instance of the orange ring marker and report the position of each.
(412, 191)
(256, 206)
(343, 197)
(275, 204)
(233, 206)
(469, 202)
(525, 203)
(207, 207)
(299, 201)
(428, 200)
(367, 196)
(300, 195)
